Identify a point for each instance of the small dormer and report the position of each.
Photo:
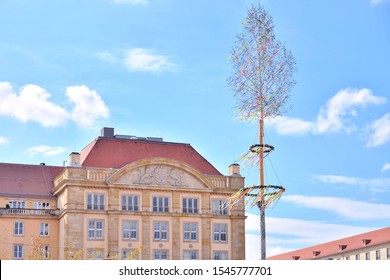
(342, 247)
(316, 253)
(295, 258)
(365, 242)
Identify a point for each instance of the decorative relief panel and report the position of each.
(160, 175)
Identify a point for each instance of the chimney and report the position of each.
(234, 170)
(74, 159)
(107, 132)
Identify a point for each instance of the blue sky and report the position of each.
(159, 68)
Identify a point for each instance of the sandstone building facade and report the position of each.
(122, 196)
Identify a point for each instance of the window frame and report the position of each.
(190, 255)
(220, 232)
(130, 202)
(161, 254)
(160, 204)
(96, 201)
(44, 232)
(18, 228)
(222, 255)
(95, 229)
(216, 207)
(190, 232)
(186, 208)
(128, 230)
(160, 229)
(18, 251)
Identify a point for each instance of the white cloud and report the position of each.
(285, 125)
(386, 167)
(46, 150)
(284, 234)
(3, 140)
(375, 185)
(133, 2)
(347, 208)
(379, 131)
(89, 106)
(138, 60)
(146, 60)
(333, 117)
(33, 103)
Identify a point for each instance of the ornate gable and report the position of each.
(161, 172)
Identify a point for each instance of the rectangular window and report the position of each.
(17, 204)
(357, 257)
(219, 207)
(190, 205)
(130, 254)
(377, 254)
(220, 255)
(130, 230)
(160, 231)
(190, 232)
(190, 255)
(160, 254)
(95, 229)
(160, 204)
(19, 229)
(41, 205)
(44, 229)
(95, 254)
(95, 201)
(18, 251)
(220, 232)
(367, 255)
(130, 203)
(388, 253)
(45, 251)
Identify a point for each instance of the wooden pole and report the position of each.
(260, 204)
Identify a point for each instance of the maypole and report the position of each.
(261, 81)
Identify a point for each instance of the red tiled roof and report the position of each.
(351, 243)
(116, 153)
(25, 179)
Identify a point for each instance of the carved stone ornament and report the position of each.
(159, 175)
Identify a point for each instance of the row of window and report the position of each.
(160, 204)
(44, 229)
(157, 254)
(130, 231)
(378, 255)
(18, 251)
(22, 204)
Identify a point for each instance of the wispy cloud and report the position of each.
(378, 2)
(139, 60)
(32, 103)
(334, 116)
(385, 167)
(374, 185)
(46, 150)
(347, 208)
(147, 61)
(284, 234)
(3, 140)
(133, 2)
(379, 131)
